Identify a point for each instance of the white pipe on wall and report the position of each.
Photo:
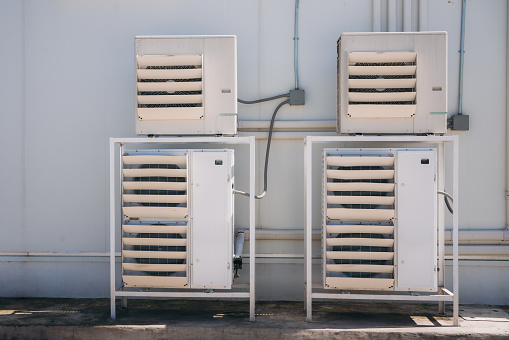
(423, 15)
(307, 125)
(391, 15)
(377, 22)
(507, 125)
(407, 15)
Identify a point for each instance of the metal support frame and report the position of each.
(118, 144)
(443, 295)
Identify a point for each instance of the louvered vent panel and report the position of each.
(154, 187)
(154, 234)
(155, 255)
(382, 84)
(169, 87)
(358, 230)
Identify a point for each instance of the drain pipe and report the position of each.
(239, 249)
(391, 16)
(423, 15)
(377, 22)
(407, 15)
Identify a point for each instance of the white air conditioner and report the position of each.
(380, 219)
(177, 229)
(186, 85)
(392, 83)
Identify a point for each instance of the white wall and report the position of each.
(67, 86)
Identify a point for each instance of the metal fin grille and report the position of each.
(382, 85)
(154, 188)
(358, 224)
(169, 87)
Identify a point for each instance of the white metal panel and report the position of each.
(372, 215)
(380, 111)
(212, 219)
(381, 200)
(416, 223)
(382, 83)
(381, 57)
(360, 161)
(359, 283)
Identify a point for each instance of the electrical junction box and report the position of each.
(177, 208)
(380, 219)
(186, 85)
(392, 83)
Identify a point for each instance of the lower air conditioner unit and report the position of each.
(177, 208)
(380, 219)
(392, 83)
(186, 85)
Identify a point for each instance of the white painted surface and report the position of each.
(67, 86)
(211, 219)
(416, 221)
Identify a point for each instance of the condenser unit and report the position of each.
(392, 83)
(177, 208)
(186, 85)
(380, 219)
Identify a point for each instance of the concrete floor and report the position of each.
(28, 318)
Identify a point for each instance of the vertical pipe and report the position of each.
(441, 223)
(423, 15)
(120, 181)
(296, 45)
(407, 15)
(455, 227)
(112, 227)
(252, 236)
(462, 54)
(377, 22)
(391, 15)
(308, 225)
(507, 123)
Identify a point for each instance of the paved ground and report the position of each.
(205, 319)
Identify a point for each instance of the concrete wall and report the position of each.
(67, 87)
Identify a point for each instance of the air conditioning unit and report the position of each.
(380, 219)
(392, 83)
(177, 208)
(186, 85)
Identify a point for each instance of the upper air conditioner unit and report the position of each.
(392, 83)
(380, 219)
(177, 208)
(186, 85)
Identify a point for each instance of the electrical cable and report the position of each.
(448, 205)
(286, 95)
(446, 199)
(267, 152)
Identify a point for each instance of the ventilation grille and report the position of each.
(382, 85)
(358, 221)
(169, 87)
(154, 254)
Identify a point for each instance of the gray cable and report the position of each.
(286, 95)
(267, 152)
(446, 199)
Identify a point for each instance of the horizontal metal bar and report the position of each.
(182, 140)
(190, 294)
(387, 297)
(418, 139)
